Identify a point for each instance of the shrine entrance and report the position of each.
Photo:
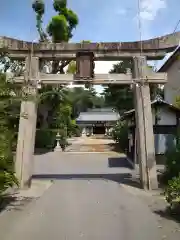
(99, 129)
(85, 54)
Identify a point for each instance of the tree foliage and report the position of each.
(60, 26)
(177, 102)
(120, 134)
(120, 97)
(172, 164)
(81, 99)
(171, 176)
(59, 29)
(172, 195)
(54, 100)
(7, 176)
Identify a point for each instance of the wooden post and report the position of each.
(27, 126)
(144, 125)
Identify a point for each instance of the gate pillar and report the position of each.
(144, 126)
(27, 125)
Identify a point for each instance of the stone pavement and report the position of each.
(89, 144)
(90, 198)
(58, 163)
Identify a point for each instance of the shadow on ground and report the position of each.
(11, 201)
(119, 162)
(41, 151)
(6, 200)
(122, 178)
(168, 214)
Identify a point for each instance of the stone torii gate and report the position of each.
(85, 54)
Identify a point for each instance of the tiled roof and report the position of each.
(157, 101)
(97, 116)
(173, 57)
(110, 110)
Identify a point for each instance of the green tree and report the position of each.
(120, 134)
(51, 104)
(120, 97)
(71, 68)
(60, 27)
(177, 102)
(83, 99)
(7, 176)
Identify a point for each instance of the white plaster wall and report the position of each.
(153, 115)
(166, 117)
(161, 141)
(172, 87)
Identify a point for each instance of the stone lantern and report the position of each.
(58, 147)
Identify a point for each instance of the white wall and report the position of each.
(162, 141)
(166, 117)
(172, 87)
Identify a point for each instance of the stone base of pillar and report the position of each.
(58, 148)
(26, 185)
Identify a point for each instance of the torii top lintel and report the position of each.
(151, 47)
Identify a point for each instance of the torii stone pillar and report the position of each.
(144, 126)
(27, 126)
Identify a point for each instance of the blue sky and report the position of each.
(99, 20)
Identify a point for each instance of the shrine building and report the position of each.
(97, 121)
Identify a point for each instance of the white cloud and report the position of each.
(150, 8)
(104, 66)
(121, 11)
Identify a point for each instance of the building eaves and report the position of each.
(97, 116)
(168, 63)
(131, 112)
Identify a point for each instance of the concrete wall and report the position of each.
(172, 87)
(162, 141)
(165, 117)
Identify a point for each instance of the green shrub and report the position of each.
(45, 139)
(76, 131)
(7, 175)
(120, 134)
(172, 165)
(63, 138)
(7, 179)
(172, 194)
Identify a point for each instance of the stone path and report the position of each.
(90, 198)
(88, 144)
(83, 209)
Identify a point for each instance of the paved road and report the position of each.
(86, 202)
